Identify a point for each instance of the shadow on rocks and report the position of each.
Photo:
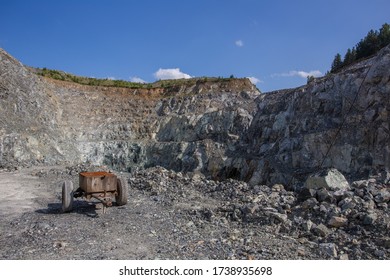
(79, 207)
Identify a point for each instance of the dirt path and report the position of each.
(33, 227)
(19, 192)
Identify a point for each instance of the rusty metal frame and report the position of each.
(100, 185)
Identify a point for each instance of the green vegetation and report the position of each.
(63, 76)
(370, 45)
(60, 75)
(310, 79)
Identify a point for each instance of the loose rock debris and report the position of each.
(186, 216)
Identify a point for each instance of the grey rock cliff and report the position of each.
(339, 121)
(30, 114)
(221, 129)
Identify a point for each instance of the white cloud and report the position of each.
(137, 80)
(302, 74)
(111, 78)
(239, 43)
(254, 80)
(168, 74)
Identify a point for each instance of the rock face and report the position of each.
(339, 121)
(223, 129)
(30, 131)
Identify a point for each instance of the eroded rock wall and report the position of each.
(29, 118)
(127, 130)
(340, 121)
(223, 129)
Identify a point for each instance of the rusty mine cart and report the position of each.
(100, 185)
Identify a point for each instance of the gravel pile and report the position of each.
(340, 222)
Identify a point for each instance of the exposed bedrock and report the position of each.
(221, 128)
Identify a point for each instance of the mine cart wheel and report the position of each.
(67, 196)
(121, 198)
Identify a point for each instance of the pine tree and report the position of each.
(337, 63)
(350, 57)
(384, 35)
(369, 45)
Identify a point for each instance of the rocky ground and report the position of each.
(173, 215)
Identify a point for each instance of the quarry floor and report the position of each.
(32, 226)
(168, 216)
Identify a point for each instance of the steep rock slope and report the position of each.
(220, 128)
(29, 123)
(340, 121)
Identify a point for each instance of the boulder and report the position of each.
(370, 218)
(382, 196)
(321, 230)
(308, 225)
(309, 203)
(279, 217)
(329, 249)
(360, 184)
(337, 222)
(331, 180)
(325, 195)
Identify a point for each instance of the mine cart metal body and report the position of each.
(101, 185)
(97, 182)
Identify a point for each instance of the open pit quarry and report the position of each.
(215, 168)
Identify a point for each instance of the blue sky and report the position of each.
(276, 42)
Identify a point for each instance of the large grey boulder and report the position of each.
(330, 179)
